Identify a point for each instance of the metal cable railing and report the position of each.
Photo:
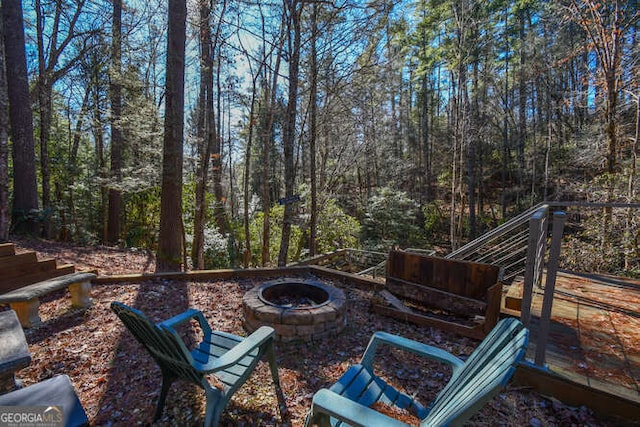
(505, 245)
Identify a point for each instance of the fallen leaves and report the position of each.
(118, 383)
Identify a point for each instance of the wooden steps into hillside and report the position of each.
(24, 279)
(17, 270)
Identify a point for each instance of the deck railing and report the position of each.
(537, 249)
(505, 245)
(526, 245)
(363, 263)
(539, 225)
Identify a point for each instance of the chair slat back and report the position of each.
(163, 347)
(483, 375)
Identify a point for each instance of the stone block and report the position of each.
(297, 317)
(80, 294)
(323, 314)
(27, 312)
(284, 330)
(269, 314)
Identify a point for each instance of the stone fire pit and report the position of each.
(298, 309)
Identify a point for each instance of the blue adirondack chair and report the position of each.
(472, 384)
(230, 357)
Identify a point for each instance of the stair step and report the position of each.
(513, 299)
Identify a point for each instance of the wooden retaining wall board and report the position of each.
(573, 393)
(241, 273)
(463, 278)
(462, 288)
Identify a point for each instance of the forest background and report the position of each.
(273, 131)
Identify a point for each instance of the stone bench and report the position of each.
(14, 351)
(25, 301)
(54, 398)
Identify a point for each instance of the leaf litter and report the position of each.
(118, 383)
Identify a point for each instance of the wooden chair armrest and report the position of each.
(185, 316)
(260, 337)
(421, 349)
(327, 402)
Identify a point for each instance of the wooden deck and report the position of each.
(594, 341)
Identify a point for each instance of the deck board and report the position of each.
(595, 331)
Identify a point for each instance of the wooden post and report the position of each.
(537, 233)
(559, 219)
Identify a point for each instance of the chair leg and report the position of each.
(215, 405)
(320, 420)
(167, 380)
(282, 403)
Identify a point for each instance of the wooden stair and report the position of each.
(18, 270)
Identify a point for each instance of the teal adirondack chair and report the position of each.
(472, 384)
(230, 357)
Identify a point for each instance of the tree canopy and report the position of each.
(311, 125)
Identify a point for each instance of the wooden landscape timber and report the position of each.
(549, 383)
(246, 273)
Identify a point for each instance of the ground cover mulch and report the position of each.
(118, 383)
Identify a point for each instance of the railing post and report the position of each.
(559, 219)
(536, 233)
(542, 250)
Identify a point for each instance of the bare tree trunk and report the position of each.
(472, 142)
(44, 101)
(289, 132)
(115, 194)
(245, 179)
(267, 134)
(266, 167)
(216, 158)
(169, 255)
(522, 99)
(631, 191)
(426, 140)
(313, 220)
(205, 123)
(45, 92)
(453, 123)
(102, 166)
(606, 25)
(546, 158)
(73, 159)
(505, 141)
(233, 204)
(25, 191)
(247, 164)
(50, 54)
(4, 145)
(460, 118)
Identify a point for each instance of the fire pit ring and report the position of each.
(298, 309)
